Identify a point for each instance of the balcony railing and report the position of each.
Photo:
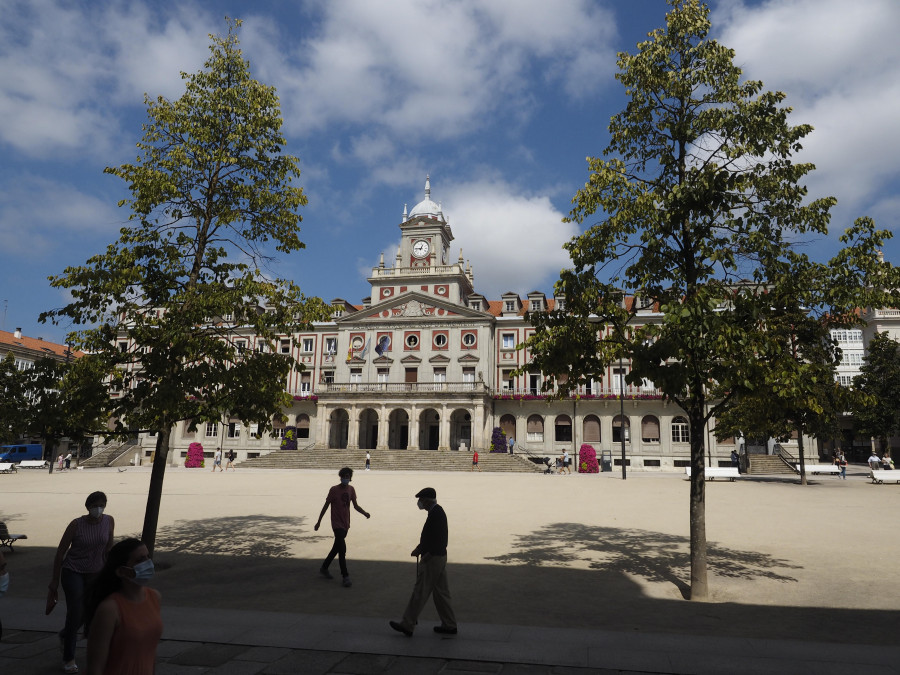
(597, 393)
(396, 388)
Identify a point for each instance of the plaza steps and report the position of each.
(389, 460)
(761, 465)
(111, 454)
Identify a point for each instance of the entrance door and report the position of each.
(433, 436)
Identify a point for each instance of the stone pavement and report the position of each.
(233, 642)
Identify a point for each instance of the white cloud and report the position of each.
(515, 239)
(839, 64)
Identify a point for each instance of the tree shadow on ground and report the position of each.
(655, 556)
(251, 535)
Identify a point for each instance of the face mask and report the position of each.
(421, 504)
(4, 583)
(345, 481)
(95, 511)
(143, 572)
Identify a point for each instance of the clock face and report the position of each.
(420, 248)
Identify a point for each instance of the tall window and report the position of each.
(305, 384)
(355, 375)
(307, 344)
(563, 429)
(303, 426)
(285, 346)
(234, 429)
(621, 426)
(509, 341)
(212, 429)
(591, 429)
(650, 429)
(681, 432)
(440, 374)
(328, 376)
(383, 374)
(534, 429)
(331, 345)
(469, 374)
(534, 383)
(509, 382)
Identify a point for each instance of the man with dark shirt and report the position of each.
(431, 574)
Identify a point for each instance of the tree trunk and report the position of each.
(699, 581)
(154, 494)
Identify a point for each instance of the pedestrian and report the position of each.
(80, 556)
(217, 460)
(842, 463)
(123, 622)
(512, 444)
(60, 461)
(230, 463)
(475, 461)
(874, 461)
(368, 460)
(886, 461)
(339, 498)
(4, 584)
(68, 461)
(567, 462)
(431, 574)
(735, 460)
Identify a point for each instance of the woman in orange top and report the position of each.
(122, 617)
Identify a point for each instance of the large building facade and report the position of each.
(426, 363)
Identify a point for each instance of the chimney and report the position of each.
(18, 333)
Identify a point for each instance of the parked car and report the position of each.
(17, 453)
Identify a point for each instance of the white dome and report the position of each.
(426, 207)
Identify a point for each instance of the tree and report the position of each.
(210, 190)
(699, 205)
(879, 380)
(14, 400)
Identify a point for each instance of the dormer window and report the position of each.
(536, 306)
(510, 305)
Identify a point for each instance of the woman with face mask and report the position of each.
(79, 558)
(122, 618)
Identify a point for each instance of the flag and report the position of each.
(366, 349)
(383, 343)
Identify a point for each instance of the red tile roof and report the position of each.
(10, 342)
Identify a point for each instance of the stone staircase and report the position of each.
(110, 454)
(389, 460)
(769, 465)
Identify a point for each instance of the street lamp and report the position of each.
(622, 412)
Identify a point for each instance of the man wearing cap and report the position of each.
(431, 574)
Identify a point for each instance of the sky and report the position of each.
(499, 101)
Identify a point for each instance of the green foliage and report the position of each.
(166, 303)
(695, 208)
(879, 381)
(14, 401)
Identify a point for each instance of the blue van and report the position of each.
(16, 453)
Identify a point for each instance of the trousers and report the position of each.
(431, 579)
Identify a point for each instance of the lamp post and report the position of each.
(622, 412)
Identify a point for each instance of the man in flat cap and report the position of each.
(431, 574)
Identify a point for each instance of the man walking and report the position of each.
(340, 497)
(431, 574)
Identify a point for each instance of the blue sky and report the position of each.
(499, 101)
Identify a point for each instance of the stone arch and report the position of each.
(460, 429)
(591, 429)
(338, 429)
(650, 429)
(508, 425)
(368, 429)
(398, 429)
(429, 429)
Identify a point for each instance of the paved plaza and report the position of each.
(559, 574)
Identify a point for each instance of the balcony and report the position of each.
(404, 388)
(596, 394)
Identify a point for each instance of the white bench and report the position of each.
(33, 464)
(7, 467)
(881, 475)
(821, 468)
(713, 472)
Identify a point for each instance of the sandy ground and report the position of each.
(786, 561)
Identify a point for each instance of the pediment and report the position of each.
(411, 359)
(468, 358)
(439, 359)
(412, 307)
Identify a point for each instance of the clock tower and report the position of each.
(423, 259)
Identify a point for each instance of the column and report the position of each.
(353, 431)
(383, 427)
(321, 426)
(444, 435)
(413, 428)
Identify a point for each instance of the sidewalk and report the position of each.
(232, 642)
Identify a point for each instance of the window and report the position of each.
(285, 346)
(475, 304)
(261, 348)
(650, 429)
(278, 429)
(562, 429)
(254, 430)
(440, 340)
(383, 374)
(212, 429)
(591, 429)
(412, 341)
(303, 426)
(22, 364)
(535, 305)
(123, 347)
(241, 346)
(560, 304)
(307, 344)
(845, 380)
(411, 375)
(234, 429)
(618, 380)
(305, 384)
(331, 345)
(680, 430)
(509, 381)
(510, 306)
(534, 429)
(468, 339)
(328, 376)
(509, 341)
(440, 374)
(619, 429)
(534, 383)
(355, 375)
(469, 374)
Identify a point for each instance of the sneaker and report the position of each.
(445, 630)
(325, 573)
(346, 582)
(70, 667)
(400, 629)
